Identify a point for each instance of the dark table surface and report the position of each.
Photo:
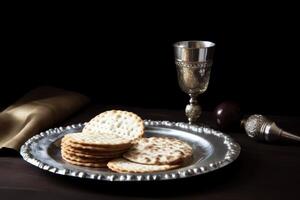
(262, 171)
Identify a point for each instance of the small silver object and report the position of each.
(263, 129)
(212, 150)
(193, 60)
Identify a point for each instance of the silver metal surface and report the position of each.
(194, 51)
(211, 151)
(193, 60)
(263, 129)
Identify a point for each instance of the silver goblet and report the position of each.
(193, 60)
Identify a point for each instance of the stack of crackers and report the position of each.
(115, 139)
(106, 136)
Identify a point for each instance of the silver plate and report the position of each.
(211, 151)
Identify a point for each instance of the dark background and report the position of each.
(125, 56)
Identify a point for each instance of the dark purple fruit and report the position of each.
(228, 115)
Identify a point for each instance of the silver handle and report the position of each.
(290, 136)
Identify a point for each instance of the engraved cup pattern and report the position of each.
(193, 78)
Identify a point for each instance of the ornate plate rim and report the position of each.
(233, 151)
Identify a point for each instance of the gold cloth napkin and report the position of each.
(38, 110)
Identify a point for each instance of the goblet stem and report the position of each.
(193, 109)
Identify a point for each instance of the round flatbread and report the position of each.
(100, 140)
(85, 164)
(122, 165)
(81, 147)
(90, 156)
(84, 160)
(92, 152)
(159, 150)
(126, 125)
